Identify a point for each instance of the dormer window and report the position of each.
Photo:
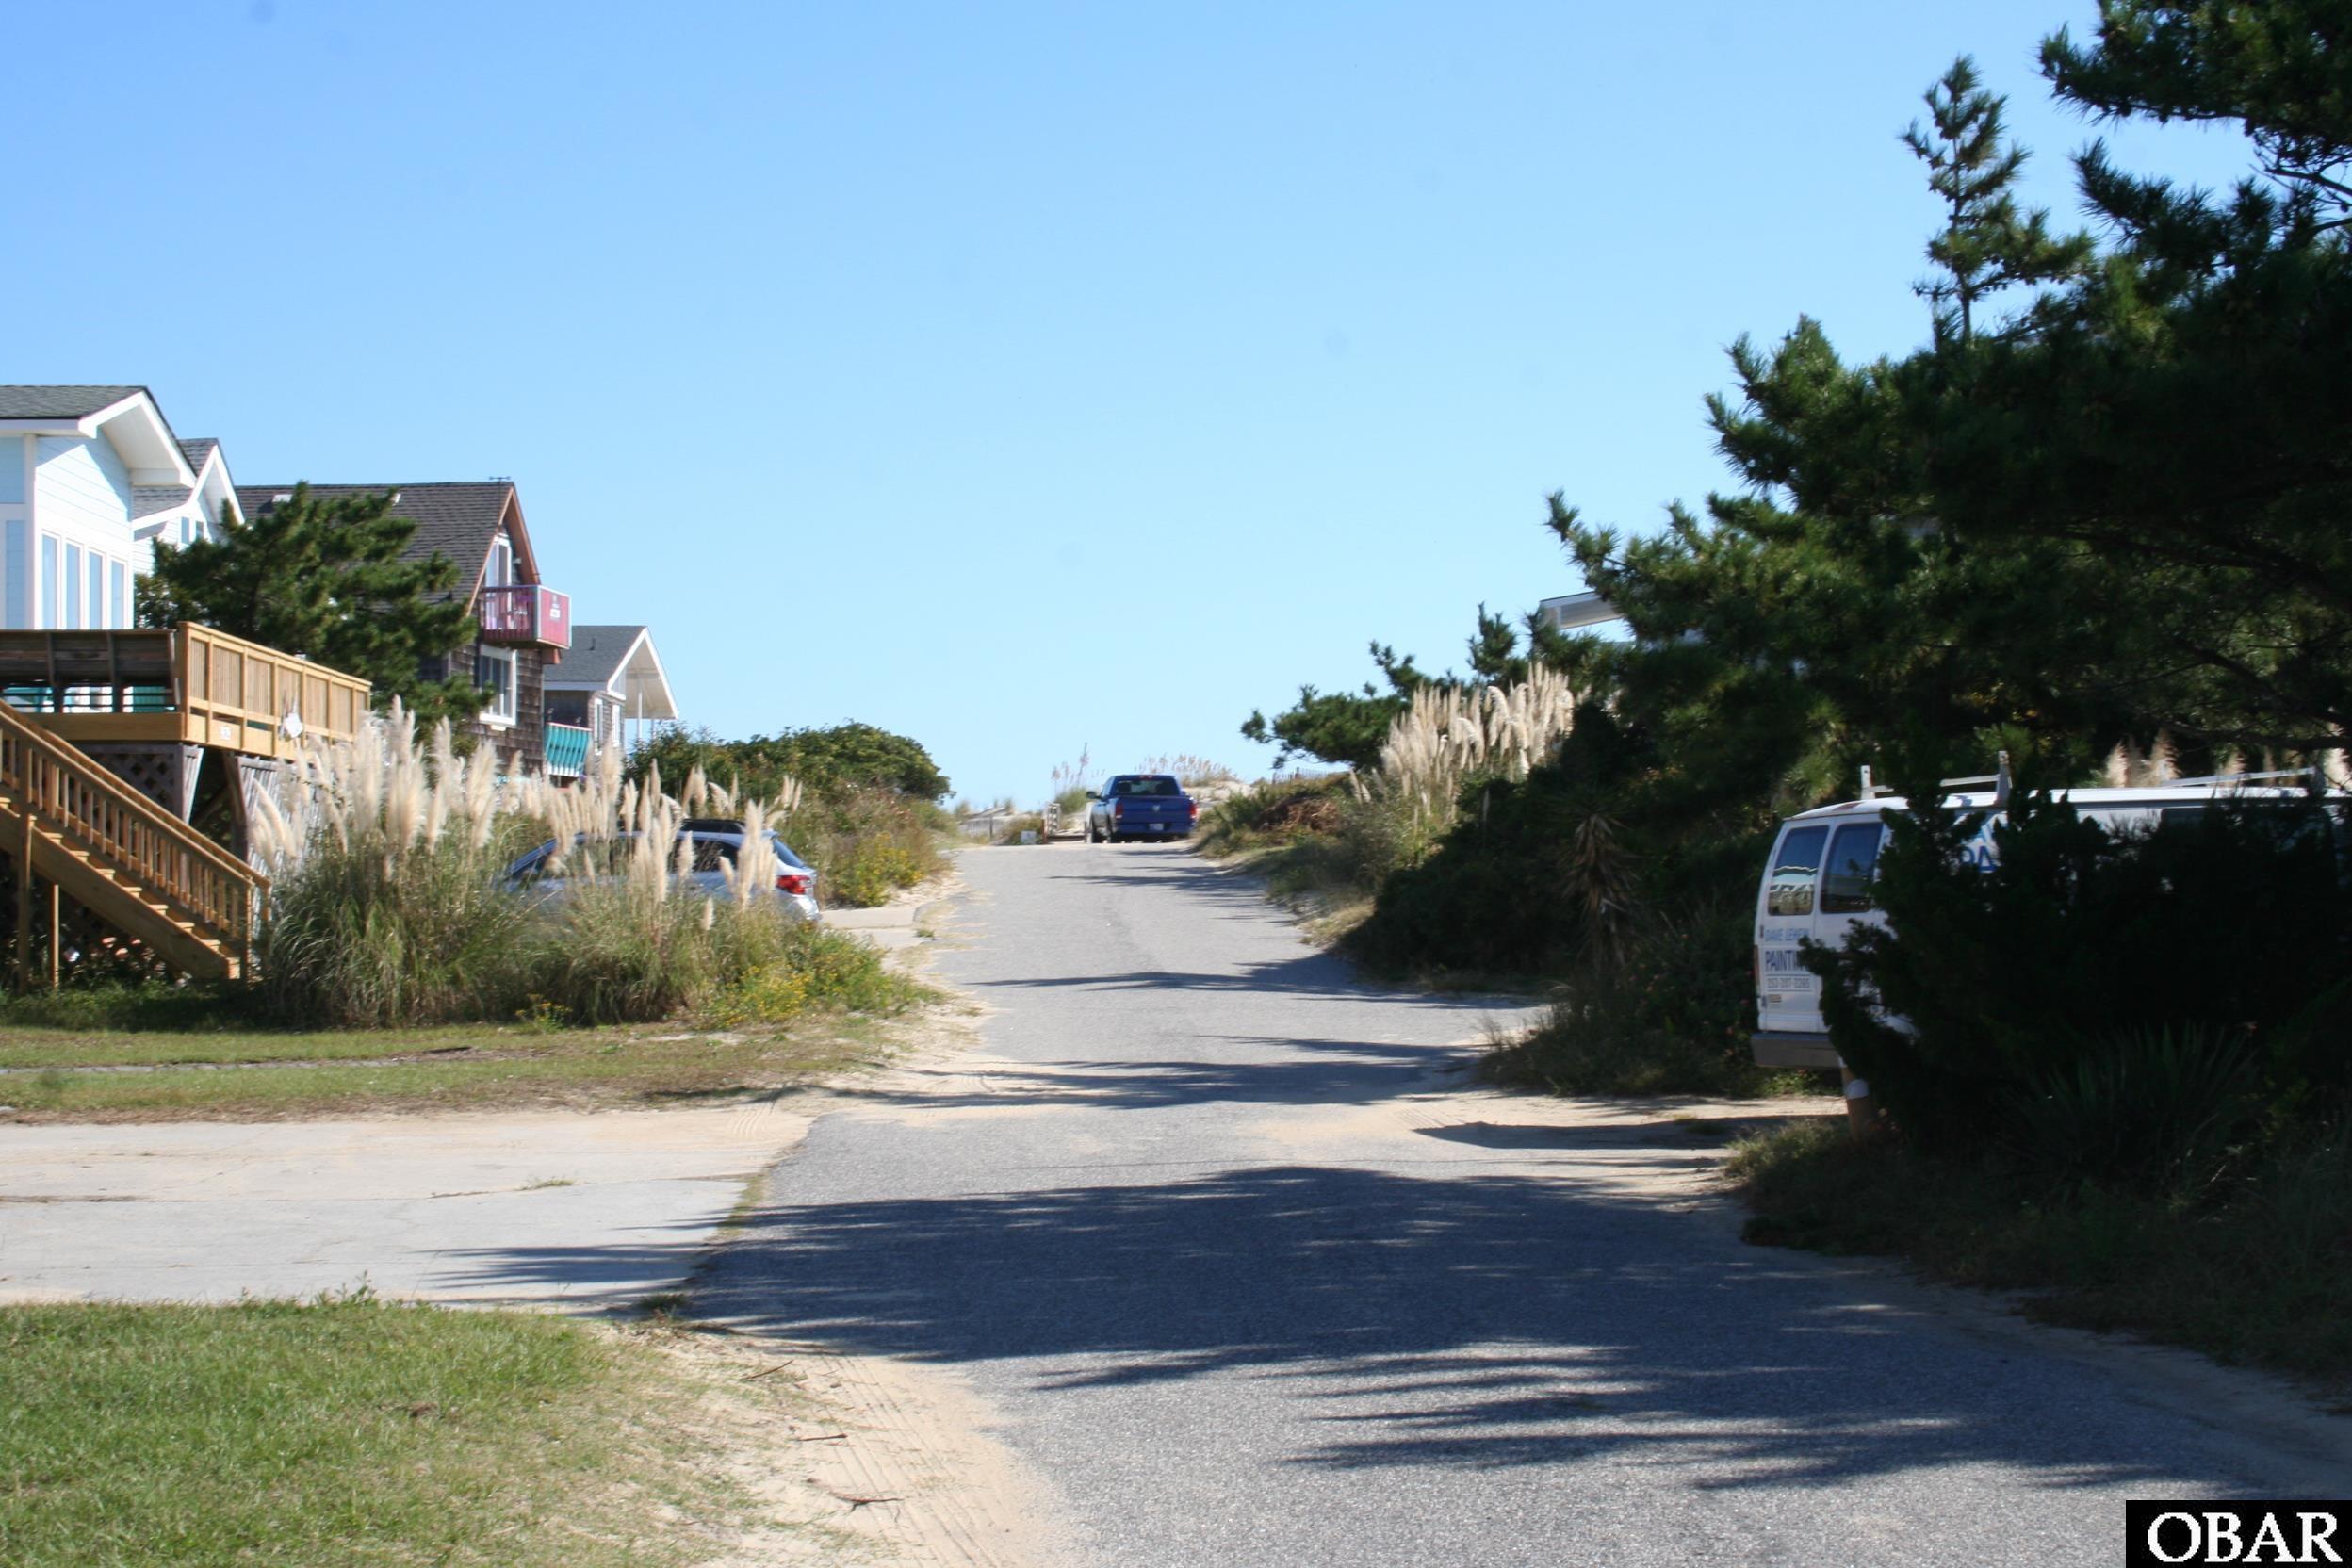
(500, 571)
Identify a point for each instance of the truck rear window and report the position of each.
(1145, 786)
(1794, 869)
(1853, 860)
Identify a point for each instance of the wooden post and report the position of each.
(1861, 1109)
(24, 897)
(56, 934)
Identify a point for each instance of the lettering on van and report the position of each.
(1785, 971)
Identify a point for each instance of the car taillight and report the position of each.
(791, 882)
(1192, 810)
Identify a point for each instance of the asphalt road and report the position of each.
(1247, 1280)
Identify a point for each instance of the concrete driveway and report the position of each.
(582, 1210)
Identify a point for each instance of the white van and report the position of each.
(1817, 883)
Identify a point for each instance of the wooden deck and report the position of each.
(191, 685)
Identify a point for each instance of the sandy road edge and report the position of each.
(906, 1470)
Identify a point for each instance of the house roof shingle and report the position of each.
(59, 402)
(147, 500)
(457, 519)
(596, 655)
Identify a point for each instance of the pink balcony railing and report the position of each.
(526, 613)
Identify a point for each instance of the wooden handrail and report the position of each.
(131, 834)
(342, 700)
(190, 684)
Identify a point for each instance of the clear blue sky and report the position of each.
(1014, 376)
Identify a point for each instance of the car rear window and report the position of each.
(1794, 869)
(1853, 860)
(1157, 785)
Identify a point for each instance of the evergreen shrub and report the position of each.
(2093, 990)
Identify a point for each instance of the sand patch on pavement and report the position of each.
(858, 1458)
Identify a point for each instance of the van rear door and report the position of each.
(1818, 888)
(1846, 896)
(1788, 998)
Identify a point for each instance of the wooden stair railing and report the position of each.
(129, 861)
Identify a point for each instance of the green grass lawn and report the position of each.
(228, 1074)
(341, 1432)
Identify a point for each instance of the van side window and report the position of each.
(1790, 890)
(1853, 860)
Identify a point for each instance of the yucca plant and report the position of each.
(2151, 1108)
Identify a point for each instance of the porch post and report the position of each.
(25, 902)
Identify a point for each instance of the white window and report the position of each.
(97, 591)
(500, 572)
(72, 587)
(494, 672)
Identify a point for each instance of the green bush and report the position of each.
(111, 1004)
(1669, 1012)
(2111, 975)
(873, 871)
(1535, 875)
(813, 970)
(841, 759)
(867, 844)
(1273, 811)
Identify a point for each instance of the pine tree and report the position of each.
(1495, 659)
(1342, 728)
(325, 577)
(2277, 70)
(2180, 413)
(1988, 243)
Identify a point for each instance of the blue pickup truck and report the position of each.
(1140, 805)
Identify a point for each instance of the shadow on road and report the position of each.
(1310, 1072)
(1470, 1320)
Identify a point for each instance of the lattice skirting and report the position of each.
(164, 773)
(87, 946)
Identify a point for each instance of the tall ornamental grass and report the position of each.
(868, 844)
(1446, 738)
(384, 907)
(389, 906)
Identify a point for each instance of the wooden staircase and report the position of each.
(133, 866)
